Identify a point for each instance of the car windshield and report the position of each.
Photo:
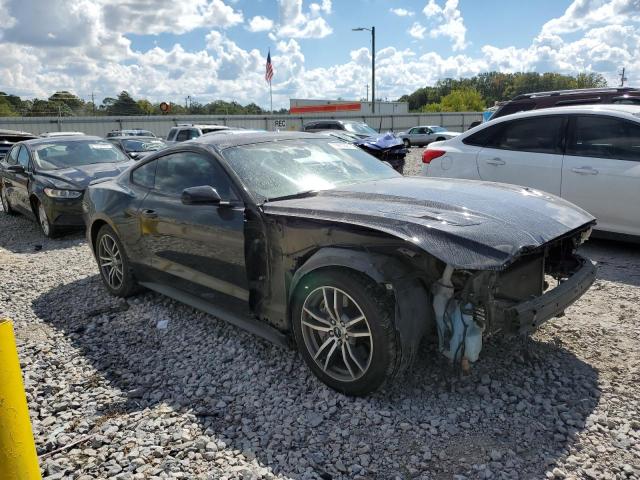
(438, 129)
(279, 169)
(143, 145)
(360, 128)
(61, 154)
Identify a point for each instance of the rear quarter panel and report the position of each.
(460, 161)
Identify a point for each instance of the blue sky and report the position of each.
(215, 49)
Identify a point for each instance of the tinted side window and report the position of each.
(172, 134)
(183, 135)
(145, 175)
(538, 134)
(605, 137)
(484, 136)
(182, 170)
(310, 126)
(23, 157)
(12, 157)
(515, 107)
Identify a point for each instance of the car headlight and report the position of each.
(55, 193)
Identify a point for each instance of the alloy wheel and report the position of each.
(44, 221)
(110, 261)
(337, 334)
(4, 200)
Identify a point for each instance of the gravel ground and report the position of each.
(114, 396)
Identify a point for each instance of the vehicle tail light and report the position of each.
(429, 155)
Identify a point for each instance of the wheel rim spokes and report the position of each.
(110, 261)
(336, 333)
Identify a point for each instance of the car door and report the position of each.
(202, 244)
(527, 152)
(601, 170)
(8, 177)
(427, 136)
(20, 198)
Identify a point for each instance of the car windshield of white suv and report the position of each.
(58, 155)
(360, 129)
(287, 168)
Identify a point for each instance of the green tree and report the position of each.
(124, 105)
(67, 98)
(145, 106)
(6, 109)
(461, 100)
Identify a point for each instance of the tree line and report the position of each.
(65, 104)
(448, 95)
(483, 90)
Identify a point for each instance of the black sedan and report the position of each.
(45, 178)
(295, 235)
(137, 147)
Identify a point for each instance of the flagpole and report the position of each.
(271, 97)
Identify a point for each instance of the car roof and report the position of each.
(135, 137)
(574, 109)
(225, 141)
(15, 132)
(73, 138)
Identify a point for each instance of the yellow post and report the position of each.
(18, 458)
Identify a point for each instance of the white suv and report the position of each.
(588, 155)
(188, 131)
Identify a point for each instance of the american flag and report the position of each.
(268, 74)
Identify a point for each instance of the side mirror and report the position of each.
(15, 168)
(203, 195)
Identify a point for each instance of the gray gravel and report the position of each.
(113, 396)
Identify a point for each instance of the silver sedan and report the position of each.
(424, 135)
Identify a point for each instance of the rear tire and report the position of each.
(113, 263)
(351, 345)
(6, 206)
(439, 139)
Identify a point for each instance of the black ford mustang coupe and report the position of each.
(45, 178)
(304, 236)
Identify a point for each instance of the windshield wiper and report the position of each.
(304, 194)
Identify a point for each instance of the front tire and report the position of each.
(6, 205)
(406, 142)
(343, 326)
(49, 230)
(114, 265)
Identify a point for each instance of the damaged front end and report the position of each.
(387, 148)
(537, 286)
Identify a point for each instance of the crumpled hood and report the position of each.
(381, 142)
(467, 223)
(80, 177)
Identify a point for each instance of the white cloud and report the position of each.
(260, 24)
(77, 51)
(402, 12)
(417, 31)
(294, 23)
(449, 22)
(585, 14)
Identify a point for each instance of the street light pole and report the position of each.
(373, 64)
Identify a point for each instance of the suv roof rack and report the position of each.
(576, 91)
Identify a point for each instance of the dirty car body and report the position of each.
(297, 235)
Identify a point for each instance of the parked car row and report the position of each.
(305, 238)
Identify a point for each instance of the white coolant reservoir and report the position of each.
(459, 336)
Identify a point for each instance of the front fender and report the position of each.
(413, 311)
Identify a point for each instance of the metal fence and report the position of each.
(160, 124)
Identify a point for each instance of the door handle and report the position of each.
(149, 213)
(585, 171)
(496, 161)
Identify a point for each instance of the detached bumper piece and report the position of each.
(527, 316)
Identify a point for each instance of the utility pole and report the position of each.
(93, 104)
(622, 77)
(373, 64)
(367, 97)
